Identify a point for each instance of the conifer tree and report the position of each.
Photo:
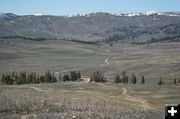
(126, 79)
(160, 82)
(175, 82)
(135, 80)
(48, 77)
(42, 79)
(117, 79)
(142, 80)
(79, 75)
(123, 77)
(66, 77)
(73, 76)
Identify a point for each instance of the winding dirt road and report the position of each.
(137, 100)
(140, 102)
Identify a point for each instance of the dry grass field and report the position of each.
(89, 100)
(81, 100)
(159, 59)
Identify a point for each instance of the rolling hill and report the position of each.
(136, 27)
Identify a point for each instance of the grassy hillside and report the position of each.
(158, 59)
(94, 27)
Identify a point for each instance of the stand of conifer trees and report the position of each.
(98, 77)
(34, 78)
(123, 78)
(72, 76)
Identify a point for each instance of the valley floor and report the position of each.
(152, 61)
(83, 100)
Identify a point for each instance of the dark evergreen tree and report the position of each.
(22, 78)
(135, 80)
(73, 76)
(29, 79)
(42, 79)
(48, 77)
(79, 75)
(175, 81)
(132, 78)
(124, 77)
(126, 80)
(117, 79)
(66, 77)
(160, 82)
(142, 80)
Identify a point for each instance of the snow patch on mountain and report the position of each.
(38, 14)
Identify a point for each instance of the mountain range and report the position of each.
(93, 27)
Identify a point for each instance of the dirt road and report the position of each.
(140, 102)
(137, 100)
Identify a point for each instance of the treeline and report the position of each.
(175, 81)
(167, 39)
(124, 78)
(84, 42)
(43, 39)
(72, 76)
(114, 38)
(24, 37)
(34, 78)
(49, 77)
